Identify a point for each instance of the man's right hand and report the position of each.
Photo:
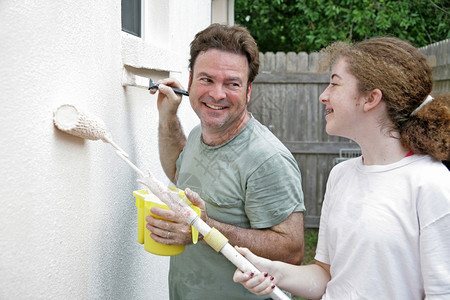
(168, 100)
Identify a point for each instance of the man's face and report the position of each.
(218, 91)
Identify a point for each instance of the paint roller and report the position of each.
(69, 119)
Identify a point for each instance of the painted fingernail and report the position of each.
(251, 274)
(273, 286)
(266, 274)
(271, 278)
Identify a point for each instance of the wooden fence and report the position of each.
(438, 56)
(285, 98)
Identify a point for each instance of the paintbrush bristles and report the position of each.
(69, 119)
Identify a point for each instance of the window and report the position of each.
(131, 17)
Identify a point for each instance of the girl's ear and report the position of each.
(373, 99)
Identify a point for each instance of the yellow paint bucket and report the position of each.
(145, 200)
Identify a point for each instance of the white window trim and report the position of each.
(138, 53)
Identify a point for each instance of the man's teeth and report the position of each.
(214, 107)
(329, 111)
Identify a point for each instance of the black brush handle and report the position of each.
(153, 85)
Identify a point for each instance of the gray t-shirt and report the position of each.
(251, 181)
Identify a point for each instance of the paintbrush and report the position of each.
(130, 79)
(153, 85)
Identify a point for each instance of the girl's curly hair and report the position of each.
(403, 75)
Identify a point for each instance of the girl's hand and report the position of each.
(259, 284)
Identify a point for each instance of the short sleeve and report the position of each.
(274, 192)
(435, 258)
(434, 219)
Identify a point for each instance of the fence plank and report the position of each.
(293, 78)
(438, 56)
(319, 147)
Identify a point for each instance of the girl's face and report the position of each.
(344, 104)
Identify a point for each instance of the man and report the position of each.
(249, 182)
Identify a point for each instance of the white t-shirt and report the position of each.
(385, 230)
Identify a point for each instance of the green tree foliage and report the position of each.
(309, 25)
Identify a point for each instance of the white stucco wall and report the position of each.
(68, 217)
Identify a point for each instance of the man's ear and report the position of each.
(249, 90)
(373, 99)
(190, 80)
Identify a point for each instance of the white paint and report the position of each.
(68, 223)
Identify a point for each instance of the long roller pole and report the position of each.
(69, 119)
